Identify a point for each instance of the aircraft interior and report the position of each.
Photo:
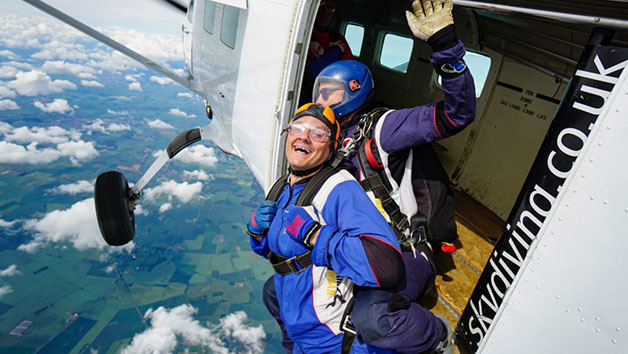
(522, 65)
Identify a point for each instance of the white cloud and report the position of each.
(199, 154)
(135, 86)
(60, 226)
(110, 268)
(179, 113)
(132, 78)
(34, 83)
(19, 65)
(81, 186)
(43, 135)
(185, 94)
(61, 67)
(99, 126)
(183, 191)
(158, 124)
(62, 49)
(251, 337)
(8, 105)
(78, 150)
(117, 113)
(116, 127)
(165, 207)
(91, 83)
(8, 54)
(197, 174)
(10, 271)
(7, 224)
(7, 72)
(4, 290)
(170, 325)
(13, 153)
(139, 210)
(161, 80)
(59, 105)
(86, 76)
(6, 92)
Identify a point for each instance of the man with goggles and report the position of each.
(320, 251)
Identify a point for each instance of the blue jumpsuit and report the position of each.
(355, 246)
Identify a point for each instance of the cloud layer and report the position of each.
(170, 326)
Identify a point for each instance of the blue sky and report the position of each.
(150, 16)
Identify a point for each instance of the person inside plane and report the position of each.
(320, 251)
(422, 199)
(327, 45)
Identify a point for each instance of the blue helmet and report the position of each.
(349, 76)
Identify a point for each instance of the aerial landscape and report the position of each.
(71, 109)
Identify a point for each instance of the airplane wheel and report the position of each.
(111, 197)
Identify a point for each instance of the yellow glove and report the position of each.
(429, 19)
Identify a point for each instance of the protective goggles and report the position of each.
(331, 91)
(315, 133)
(325, 115)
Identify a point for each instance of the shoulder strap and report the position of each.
(314, 185)
(275, 190)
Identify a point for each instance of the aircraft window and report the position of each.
(396, 51)
(229, 27)
(190, 10)
(354, 34)
(210, 15)
(479, 64)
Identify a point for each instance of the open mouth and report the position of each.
(302, 150)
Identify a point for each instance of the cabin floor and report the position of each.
(478, 230)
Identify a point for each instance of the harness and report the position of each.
(410, 232)
(297, 264)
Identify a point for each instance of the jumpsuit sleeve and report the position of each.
(410, 127)
(356, 241)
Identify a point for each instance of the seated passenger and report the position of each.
(326, 46)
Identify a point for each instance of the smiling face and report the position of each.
(302, 152)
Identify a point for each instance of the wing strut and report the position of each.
(110, 42)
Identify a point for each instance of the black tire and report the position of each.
(115, 220)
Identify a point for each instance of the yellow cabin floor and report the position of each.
(478, 229)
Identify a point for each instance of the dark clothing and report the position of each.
(321, 53)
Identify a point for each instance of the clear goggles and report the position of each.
(317, 134)
(328, 91)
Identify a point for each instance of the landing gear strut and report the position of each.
(115, 201)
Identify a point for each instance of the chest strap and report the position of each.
(296, 265)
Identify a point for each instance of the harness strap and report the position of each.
(297, 264)
(347, 327)
(275, 190)
(373, 182)
(314, 185)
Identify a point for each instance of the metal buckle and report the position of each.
(291, 264)
(346, 325)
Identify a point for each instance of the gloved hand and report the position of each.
(433, 17)
(262, 217)
(301, 223)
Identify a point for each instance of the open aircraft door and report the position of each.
(248, 58)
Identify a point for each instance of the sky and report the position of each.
(152, 29)
(150, 16)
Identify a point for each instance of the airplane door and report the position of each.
(186, 28)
